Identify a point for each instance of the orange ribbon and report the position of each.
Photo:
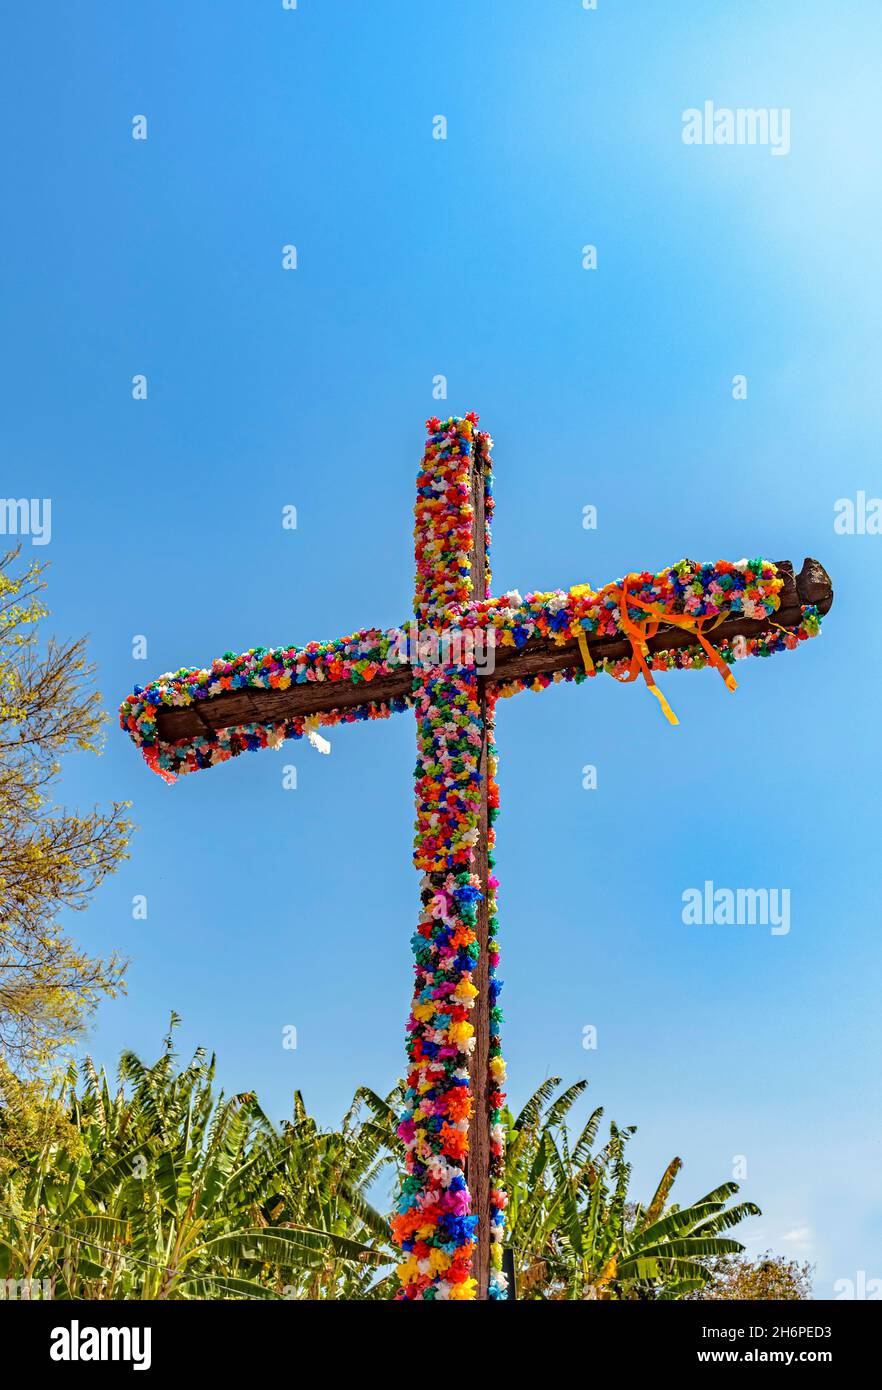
(638, 634)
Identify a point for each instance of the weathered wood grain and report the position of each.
(811, 585)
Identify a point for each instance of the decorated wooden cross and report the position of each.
(462, 652)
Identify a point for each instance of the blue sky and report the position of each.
(419, 257)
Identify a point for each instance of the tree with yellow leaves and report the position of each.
(50, 858)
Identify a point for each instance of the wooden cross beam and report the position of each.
(539, 656)
(451, 1216)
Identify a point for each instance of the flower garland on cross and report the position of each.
(457, 797)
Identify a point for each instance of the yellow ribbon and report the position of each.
(589, 667)
(586, 655)
(668, 713)
(637, 633)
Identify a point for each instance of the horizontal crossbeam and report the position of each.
(537, 657)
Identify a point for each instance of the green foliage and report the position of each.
(574, 1231)
(51, 858)
(769, 1277)
(159, 1187)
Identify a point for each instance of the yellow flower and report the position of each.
(465, 990)
(465, 1290)
(407, 1271)
(460, 1032)
(497, 1068)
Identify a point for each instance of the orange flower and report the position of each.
(459, 1103)
(454, 1142)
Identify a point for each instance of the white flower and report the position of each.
(321, 745)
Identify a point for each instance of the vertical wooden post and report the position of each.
(478, 1161)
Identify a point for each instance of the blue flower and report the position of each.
(467, 893)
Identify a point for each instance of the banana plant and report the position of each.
(158, 1187)
(165, 1190)
(574, 1231)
